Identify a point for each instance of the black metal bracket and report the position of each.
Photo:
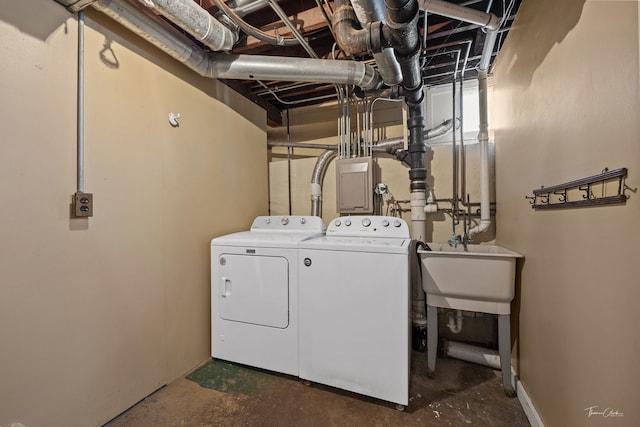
(580, 193)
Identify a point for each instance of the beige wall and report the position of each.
(568, 105)
(319, 125)
(97, 313)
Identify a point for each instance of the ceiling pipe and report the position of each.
(351, 39)
(492, 24)
(245, 7)
(367, 12)
(196, 21)
(461, 13)
(243, 67)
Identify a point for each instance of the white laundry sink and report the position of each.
(476, 278)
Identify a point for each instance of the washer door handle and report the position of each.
(226, 287)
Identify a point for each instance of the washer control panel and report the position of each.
(288, 223)
(372, 226)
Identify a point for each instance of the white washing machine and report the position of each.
(254, 292)
(354, 299)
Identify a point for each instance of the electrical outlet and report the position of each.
(83, 204)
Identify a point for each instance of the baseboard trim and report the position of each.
(525, 401)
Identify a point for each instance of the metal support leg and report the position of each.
(432, 339)
(504, 348)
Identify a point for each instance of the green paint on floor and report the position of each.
(230, 378)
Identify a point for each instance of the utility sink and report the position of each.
(476, 278)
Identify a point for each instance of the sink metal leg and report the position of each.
(432, 339)
(504, 349)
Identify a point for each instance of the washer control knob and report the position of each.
(337, 222)
(366, 222)
(347, 222)
(268, 220)
(303, 221)
(397, 223)
(284, 220)
(385, 222)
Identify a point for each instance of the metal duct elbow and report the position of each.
(196, 21)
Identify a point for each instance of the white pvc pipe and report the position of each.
(455, 322)
(473, 354)
(483, 137)
(418, 230)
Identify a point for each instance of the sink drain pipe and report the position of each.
(472, 353)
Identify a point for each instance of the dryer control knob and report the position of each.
(337, 222)
(366, 222)
(397, 223)
(303, 221)
(347, 222)
(284, 221)
(268, 220)
(385, 222)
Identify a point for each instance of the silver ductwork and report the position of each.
(196, 21)
(243, 67)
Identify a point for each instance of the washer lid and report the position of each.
(264, 239)
(358, 244)
(275, 231)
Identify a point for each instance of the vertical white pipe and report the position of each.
(80, 104)
(418, 231)
(483, 137)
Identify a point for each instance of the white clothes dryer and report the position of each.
(354, 299)
(254, 292)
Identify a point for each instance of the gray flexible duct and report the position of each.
(316, 181)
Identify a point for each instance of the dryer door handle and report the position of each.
(226, 287)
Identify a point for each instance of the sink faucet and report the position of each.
(455, 240)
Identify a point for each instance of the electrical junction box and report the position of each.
(83, 204)
(354, 179)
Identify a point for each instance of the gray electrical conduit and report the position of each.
(331, 150)
(243, 67)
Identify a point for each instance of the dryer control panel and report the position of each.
(304, 223)
(369, 226)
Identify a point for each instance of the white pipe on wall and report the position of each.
(483, 137)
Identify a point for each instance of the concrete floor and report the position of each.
(461, 394)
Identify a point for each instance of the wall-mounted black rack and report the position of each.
(582, 190)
